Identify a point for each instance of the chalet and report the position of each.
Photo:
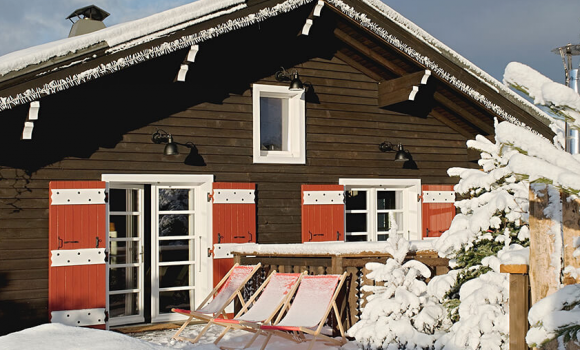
(154, 144)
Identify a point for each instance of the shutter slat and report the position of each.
(234, 220)
(76, 228)
(322, 213)
(438, 210)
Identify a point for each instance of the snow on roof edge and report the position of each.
(455, 57)
(113, 35)
(381, 8)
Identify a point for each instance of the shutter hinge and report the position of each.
(209, 197)
(209, 252)
(419, 197)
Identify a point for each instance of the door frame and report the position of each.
(205, 185)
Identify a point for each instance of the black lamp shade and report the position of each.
(296, 84)
(401, 155)
(170, 148)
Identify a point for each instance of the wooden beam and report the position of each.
(413, 79)
(443, 119)
(355, 44)
(544, 278)
(518, 315)
(351, 62)
(402, 89)
(480, 124)
(571, 230)
(401, 95)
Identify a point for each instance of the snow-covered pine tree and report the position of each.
(400, 314)
(493, 221)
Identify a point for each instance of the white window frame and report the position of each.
(411, 205)
(296, 137)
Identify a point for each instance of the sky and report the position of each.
(489, 33)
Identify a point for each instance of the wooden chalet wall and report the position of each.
(105, 126)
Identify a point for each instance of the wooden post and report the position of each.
(544, 278)
(571, 229)
(518, 305)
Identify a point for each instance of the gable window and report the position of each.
(376, 208)
(279, 125)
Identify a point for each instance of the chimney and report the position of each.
(89, 19)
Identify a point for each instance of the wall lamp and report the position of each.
(161, 136)
(294, 79)
(400, 156)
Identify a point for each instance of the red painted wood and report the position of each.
(235, 223)
(437, 217)
(84, 286)
(321, 223)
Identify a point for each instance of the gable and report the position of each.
(382, 33)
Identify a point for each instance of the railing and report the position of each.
(353, 299)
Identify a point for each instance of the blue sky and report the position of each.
(489, 33)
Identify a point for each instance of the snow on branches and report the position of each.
(400, 313)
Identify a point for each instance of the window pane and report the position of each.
(356, 200)
(123, 200)
(178, 299)
(124, 304)
(356, 222)
(389, 200)
(383, 222)
(175, 250)
(124, 226)
(273, 124)
(122, 278)
(174, 276)
(174, 225)
(174, 199)
(124, 252)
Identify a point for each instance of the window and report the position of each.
(376, 208)
(279, 125)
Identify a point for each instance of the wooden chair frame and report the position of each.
(298, 335)
(254, 327)
(210, 318)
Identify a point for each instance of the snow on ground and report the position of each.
(54, 336)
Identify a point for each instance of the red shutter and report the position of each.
(438, 209)
(77, 274)
(234, 220)
(322, 213)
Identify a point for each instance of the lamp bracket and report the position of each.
(160, 136)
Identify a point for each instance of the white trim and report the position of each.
(411, 203)
(189, 180)
(77, 318)
(75, 257)
(296, 153)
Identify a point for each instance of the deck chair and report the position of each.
(221, 296)
(314, 300)
(263, 306)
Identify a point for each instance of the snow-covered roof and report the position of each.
(129, 34)
(124, 36)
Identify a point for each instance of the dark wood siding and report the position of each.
(106, 126)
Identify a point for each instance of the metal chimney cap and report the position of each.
(92, 12)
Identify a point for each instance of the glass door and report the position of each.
(126, 255)
(175, 251)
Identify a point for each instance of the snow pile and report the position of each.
(497, 207)
(55, 336)
(483, 313)
(400, 313)
(562, 101)
(555, 315)
(333, 248)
